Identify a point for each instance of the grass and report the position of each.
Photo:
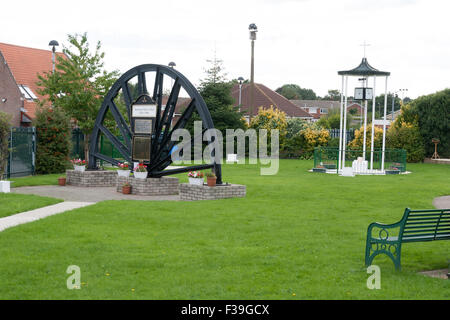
(296, 235)
(12, 203)
(37, 180)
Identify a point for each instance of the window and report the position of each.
(324, 110)
(27, 93)
(312, 110)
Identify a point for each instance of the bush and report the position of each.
(270, 119)
(406, 136)
(5, 129)
(357, 142)
(432, 113)
(53, 140)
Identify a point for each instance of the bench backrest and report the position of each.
(426, 225)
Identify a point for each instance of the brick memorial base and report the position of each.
(94, 178)
(195, 192)
(164, 186)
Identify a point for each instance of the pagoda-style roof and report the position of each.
(364, 69)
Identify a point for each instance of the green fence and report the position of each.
(22, 143)
(106, 147)
(328, 158)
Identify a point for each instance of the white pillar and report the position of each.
(373, 124)
(340, 126)
(384, 125)
(344, 133)
(365, 126)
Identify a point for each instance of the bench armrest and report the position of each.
(383, 233)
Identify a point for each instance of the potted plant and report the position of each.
(124, 170)
(78, 164)
(62, 181)
(196, 177)
(140, 171)
(211, 179)
(126, 188)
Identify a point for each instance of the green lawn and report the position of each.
(37, 180)
(296, 235)
(11, 203)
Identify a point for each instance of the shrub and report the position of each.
(432, 113)
(5, 129)
(271, 119)
(406, 136)
(357, 142)
(53, 140)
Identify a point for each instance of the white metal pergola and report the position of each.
(367, 72)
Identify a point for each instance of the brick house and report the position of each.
(19, 67)
(265, 97)
(320, 108)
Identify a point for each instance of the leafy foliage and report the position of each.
(357, 142)
(79, 83)
(432, 114)
(53, 140)
(5, 128)
(406, 136)
(295, 92)
(332, 120)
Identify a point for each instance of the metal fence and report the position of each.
(334, 133)
(77, 148)
(22, 155)
(327, 158)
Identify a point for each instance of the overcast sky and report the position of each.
(304, 42)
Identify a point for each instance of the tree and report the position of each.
(432, 113)
(79, 83)
(295, 92)
(217, 95)
(403, 135)
(53, 140)
(332, 120)
(379, 103)
(333, 95)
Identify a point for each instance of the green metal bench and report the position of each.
(415, 226)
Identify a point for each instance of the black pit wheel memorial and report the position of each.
(157, 140)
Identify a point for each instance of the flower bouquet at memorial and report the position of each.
(196, 177)
(140, 171)
(78, 164)
(124, 170)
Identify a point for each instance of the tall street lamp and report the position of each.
(241, 80)
(253, 29)
(53, 44)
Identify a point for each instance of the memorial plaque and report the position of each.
(143, 126)
(141, 148)
(144, 111)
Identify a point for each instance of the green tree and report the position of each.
(217, 95)
(295, 92)
(79, 83)
(333, 95)
(332, 120)
(5, 130)
(53, 140)
(432, 113)
(403, 135)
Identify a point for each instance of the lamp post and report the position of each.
(253, 29)
(403, 93)
(53, 44)
(172, 65)
(241, 80)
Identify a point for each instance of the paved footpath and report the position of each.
(442, 202)
(40, 213)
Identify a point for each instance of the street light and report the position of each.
(241, 80)
(53, 44)
(172, 65)
(253, 29)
